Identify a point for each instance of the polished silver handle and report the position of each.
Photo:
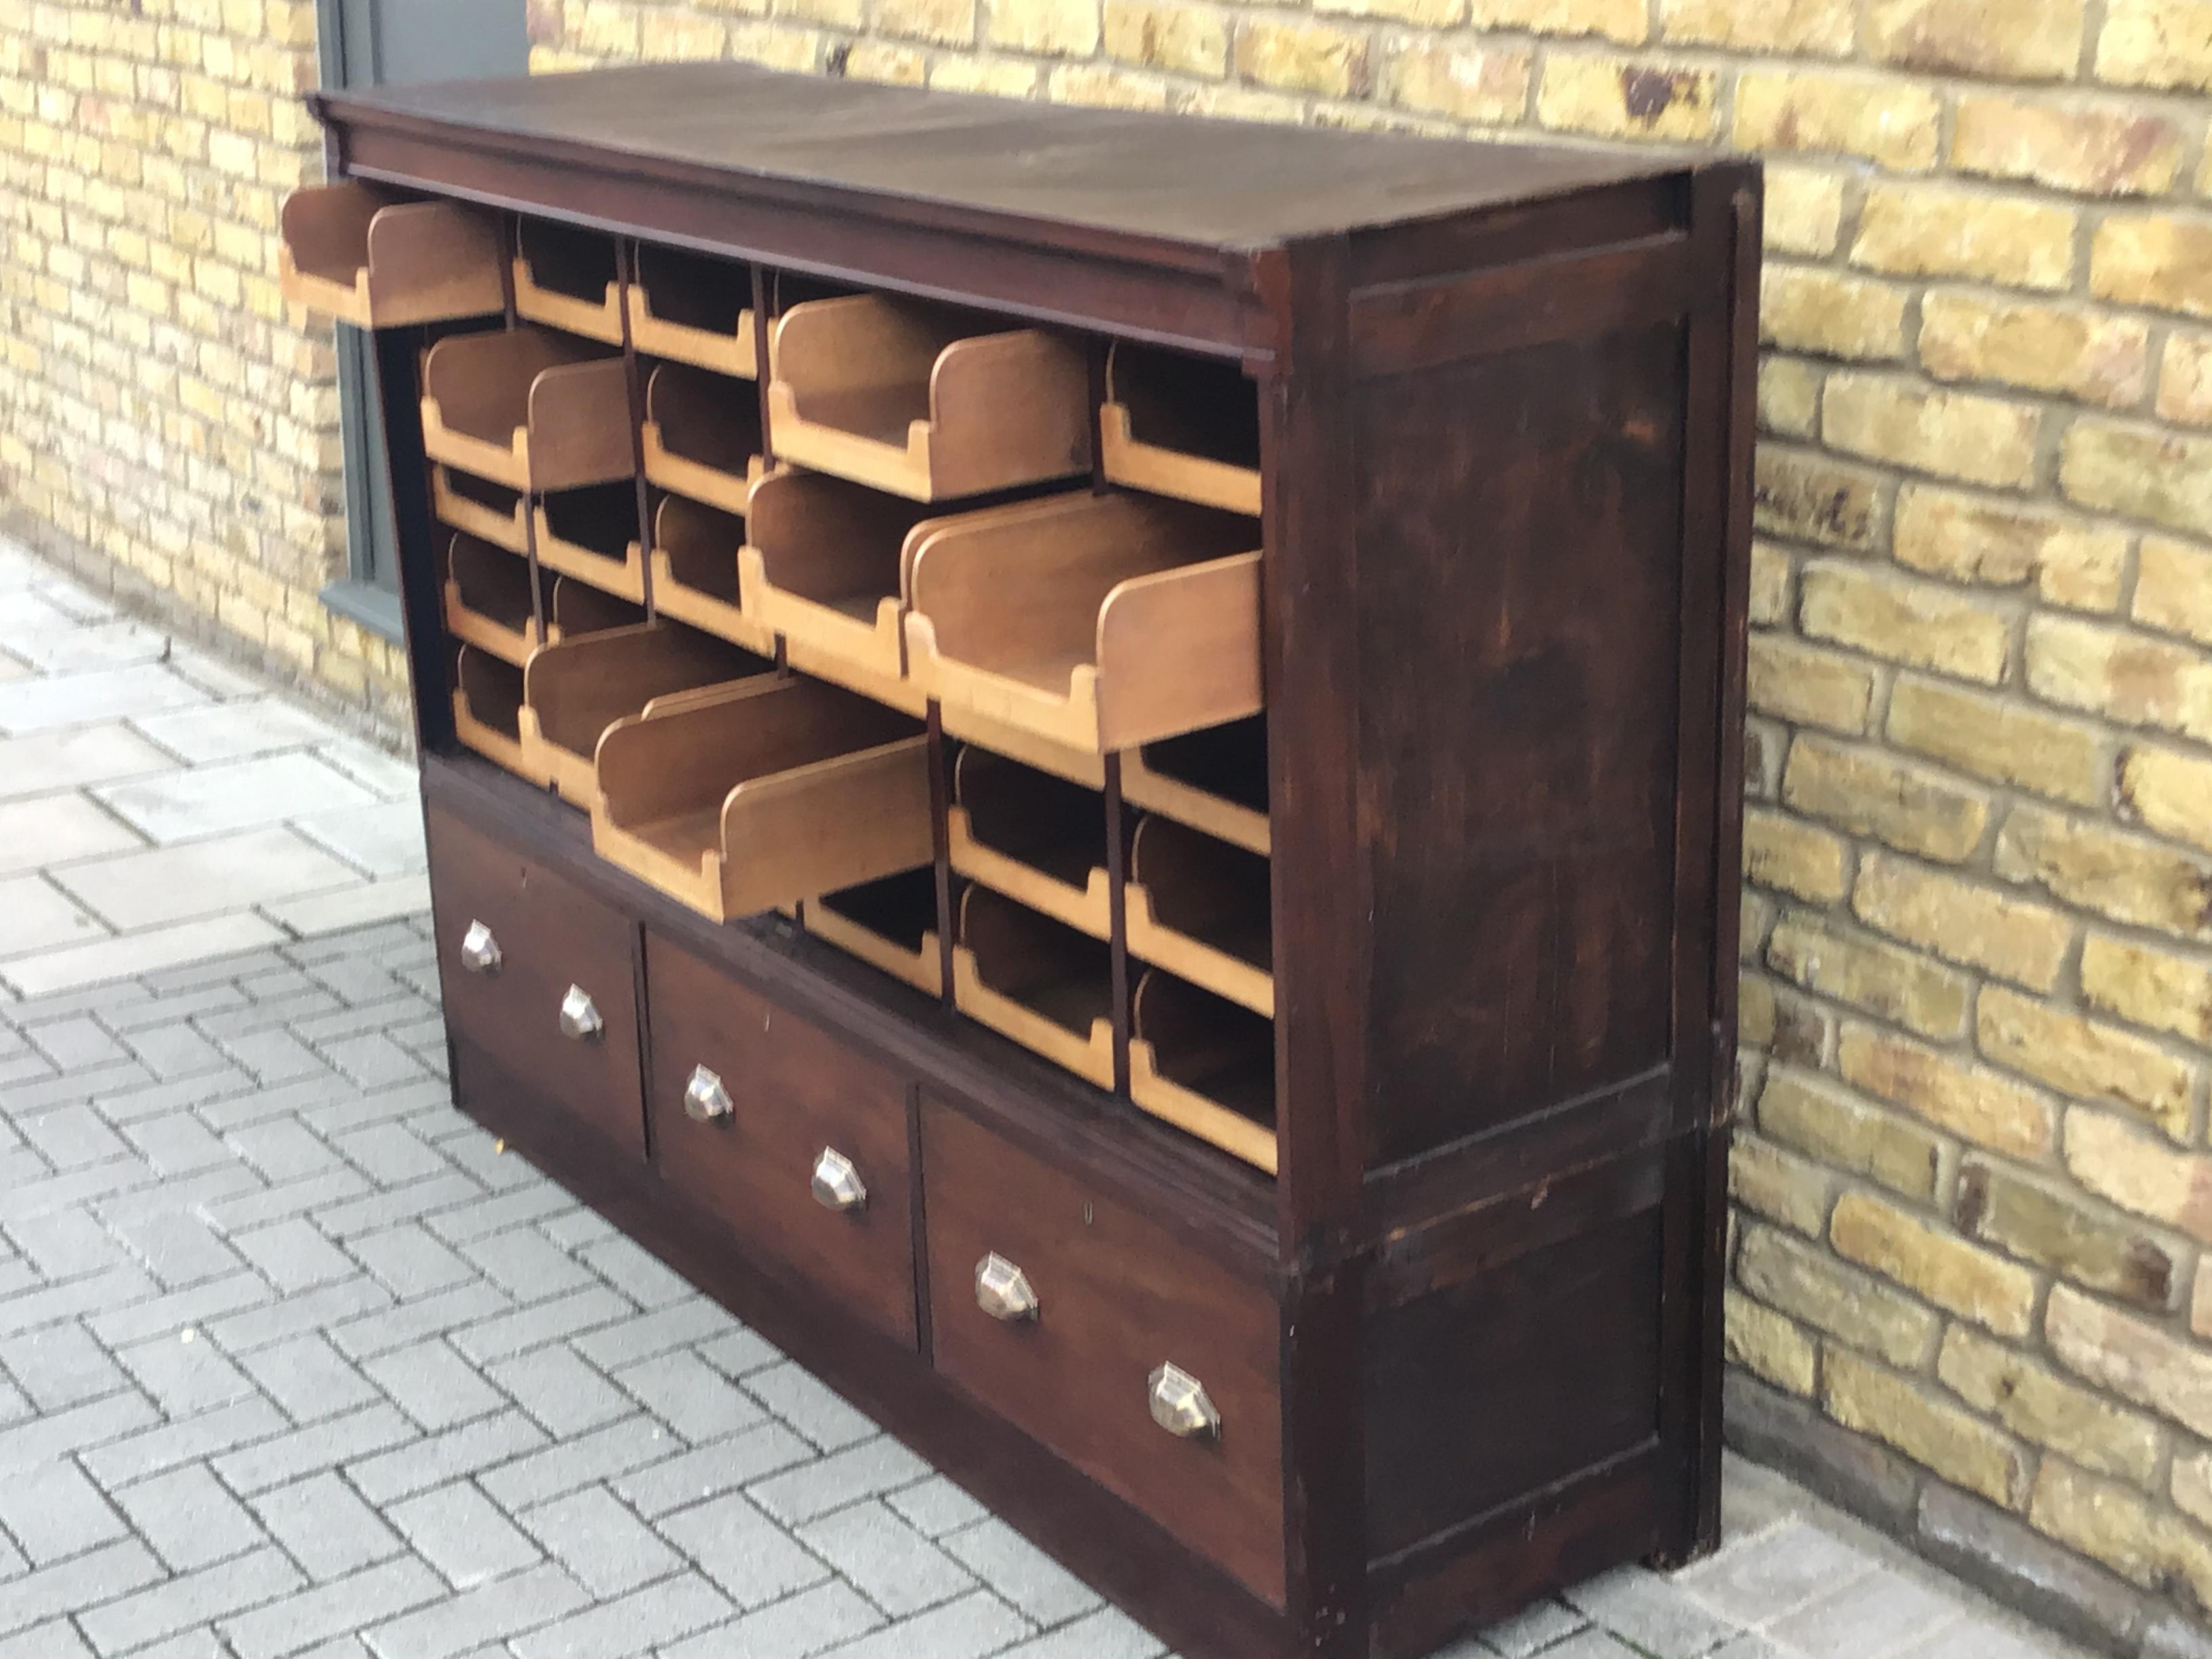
(580, 1016)
(705, 1099)
(837, 1184)
(1003, 1291)
(1181, 1404)
(480, 951)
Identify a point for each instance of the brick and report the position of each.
(2067, 351)
(1104, 87)
(1613, 96)
(1803, 684)
(2004, 742)
(2009, 39)
(1763, 1178)
(1804, 211)
(1789, 404)
(1940, 230)
(1875, 117)
(2166, 790)
(1955, 1276)
(1869, 974)
(1959, 1447)
(1982, 1105)
(1794, 858)
(2036, 1576)
(2126, 677)
(1620, 19)
(1831, 314)
(2085, 1060)
(1806, 497)
(2121, 877)
(946, 22)
(1316, 57)
(1769, 1345)
(2102, 1520)
(1819, 27)
(2003, 543)
(2115, 1160)
(1813, 1113)
(1066, 28)
(2150, 986)
(2174, 588)
(1920, 623)
(2044, 1222)
(2026, 1397)
(2160, 260)
(1183, 39)
(1468, 82)
(1805, 1282)
(2157, 42)
(1910, 807)
(1956, 434)
(1428, 13)
(2192, 1485)
(2185, 378)
(2092, 150)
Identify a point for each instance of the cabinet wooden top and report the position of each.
(1228, 186)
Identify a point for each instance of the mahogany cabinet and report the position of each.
(1090, 763)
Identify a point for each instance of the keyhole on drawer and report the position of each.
(1086, 1212)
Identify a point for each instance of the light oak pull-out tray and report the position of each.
(694, 308)
(890, 924)
(701, 436)
(1094, 622)
(925, 403)
(578, 609)
(695, 571)
(526, 408)
(591, 534)
(1200, 909)
(1045, 986)
(488, 711)
(351, 252)
(1181, 426)
(488, 603)
(567, 279)
(490, 512)
(1214, 778)
(1032, 836)
(1206, 1065)
(576, 689)
(760, 796)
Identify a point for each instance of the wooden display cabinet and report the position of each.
(1202, 664)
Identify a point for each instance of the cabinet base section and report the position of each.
(1194, 1607)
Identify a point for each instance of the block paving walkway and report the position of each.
(295, 1360)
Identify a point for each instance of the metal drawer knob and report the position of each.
(1003, 1291)
(1181, 1404)
(705, 1099)
(580, 1016)
(480, 951)
(837, 1184)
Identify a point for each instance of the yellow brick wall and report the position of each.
(1974, 1187)
(162, 427)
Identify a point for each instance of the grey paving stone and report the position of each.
(794, 1628)
(457, 1529)
(308, 1378)
(1776, 1572)
(456, 1453)
(709, 1471)
(192, 1598)
(460, 1624)
(502, 1211)
(188, 1518)
(323, 1525)
(560, 1390)
(691, 1397)
(653, 1333)
(283, 1150)
(1533, 1630)
(94, 1430)
(528, 1266)
(314, 1193)
(461, 1309)
(936, 1505)
(416, 1202)
(178, 1248)
(175, 1050)
(325, 1445)
(754, 1560)
(177, 1310)
(60, 1365)
(317, 1310)
(1019, 1572)
(177, 1144)
(603, 1546)
(184, 1377)
(1593, 1644)
(292, 1255)
(371, 1059)
(1659, 1616)
(274, 1055)
(433, 1384)
(576, 1226)
(79, 1582)
(627, 1265)
(174, 1094)
(845, 1477)
(599, 1455)
(56, 1640)
(75, 1042)
(172, 1444)
(69, 1244)
(1871, 1617)
(338, 1608)
(67, 1138)
(562, 1317)
(892, 1564)
(975, 1624)
(53, 1511)
(410, 1261)
(810, 1406)
(1108, 1633)
(614, 1630)
(388, 1154)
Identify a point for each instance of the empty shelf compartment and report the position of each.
(527, 409)
(754, 796)
(1206, 1065)
(701, 436)
(1031, 979)
(889, 924)
(489, 602)
(1214, 778)
(1201, 908)
(695, 308)
(695, 571)
(567, 279)
(924, 402)
(578, 609)
(354, 252)
(591, 534)
(488, 711)
(490, 512)
(1095, 621)
(1032, 836)
(576, 689)
(1181, 426)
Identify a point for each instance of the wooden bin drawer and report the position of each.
(540, 983)
(1115, 1299)
(749, 1105)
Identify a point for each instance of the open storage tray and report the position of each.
(578, 609)
(1214, 778)
(351, 252)
(1181, 426)
(1096, 622)
(1200, 909)
(490, 512)
(1206, 1065)
(576, 689)
(526, 408)
(926, 403)
(695, 308)
(1032, 836)
(488, 711)
(701, 436)
(695, 571)
(489, 601)
(567, 279)
(1029, 978)
(889, 924)
(591, 534)
(752, 796)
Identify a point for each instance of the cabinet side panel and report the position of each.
(1519, 531)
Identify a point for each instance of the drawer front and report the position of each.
(798, 1144)
(1116, 1298)
(540, 982)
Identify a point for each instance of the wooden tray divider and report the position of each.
(1034, 981)
(352, 252)
(576, 689)
(747, 798)
(1180, 425)
(527, 409)
(591, 534)
(567, 279)
(1031, 836)
(1201, 908)
(488, 712)
(1095, 623)
(696, 550)
(1214, 778)
(701, 436)
(694, 308)
(578, 609)
(925, 402)
(889, 924)
(490, 512)
(488, 599)
(1205, 1065)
